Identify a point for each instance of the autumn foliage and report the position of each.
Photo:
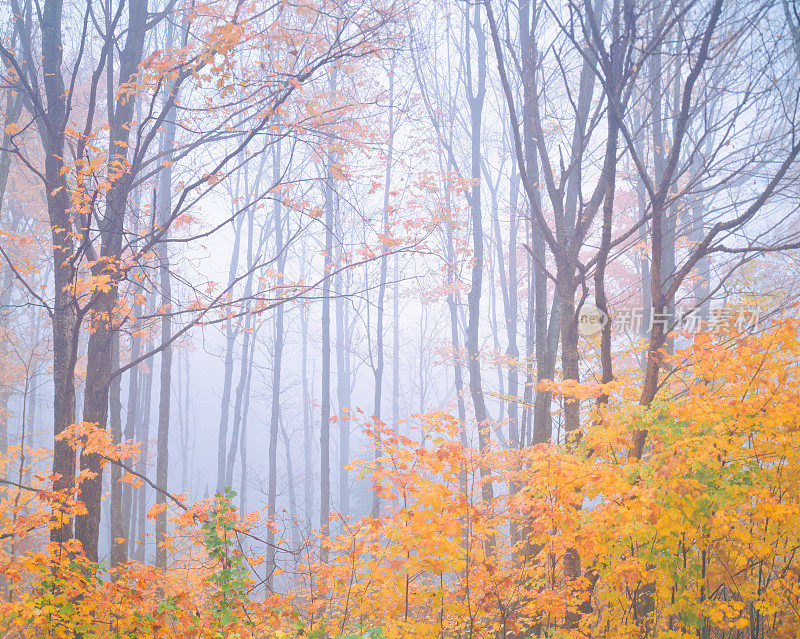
(698, 538)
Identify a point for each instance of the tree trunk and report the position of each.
(104, 327)
(277, 360)
(542, 338)
(476, 99)
(246, 363)
(384, 270)
(230, 342)
(342, 391)
(121, 548)
(143, 436)
(162, 447)
(308, 417)
(292, 490)
(325, 407)
(117, 525)
(165, 389)
(65, 330)
(243, 431)
(396, 347)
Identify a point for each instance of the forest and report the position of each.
(436, 319)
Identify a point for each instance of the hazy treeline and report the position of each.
(243, 233)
